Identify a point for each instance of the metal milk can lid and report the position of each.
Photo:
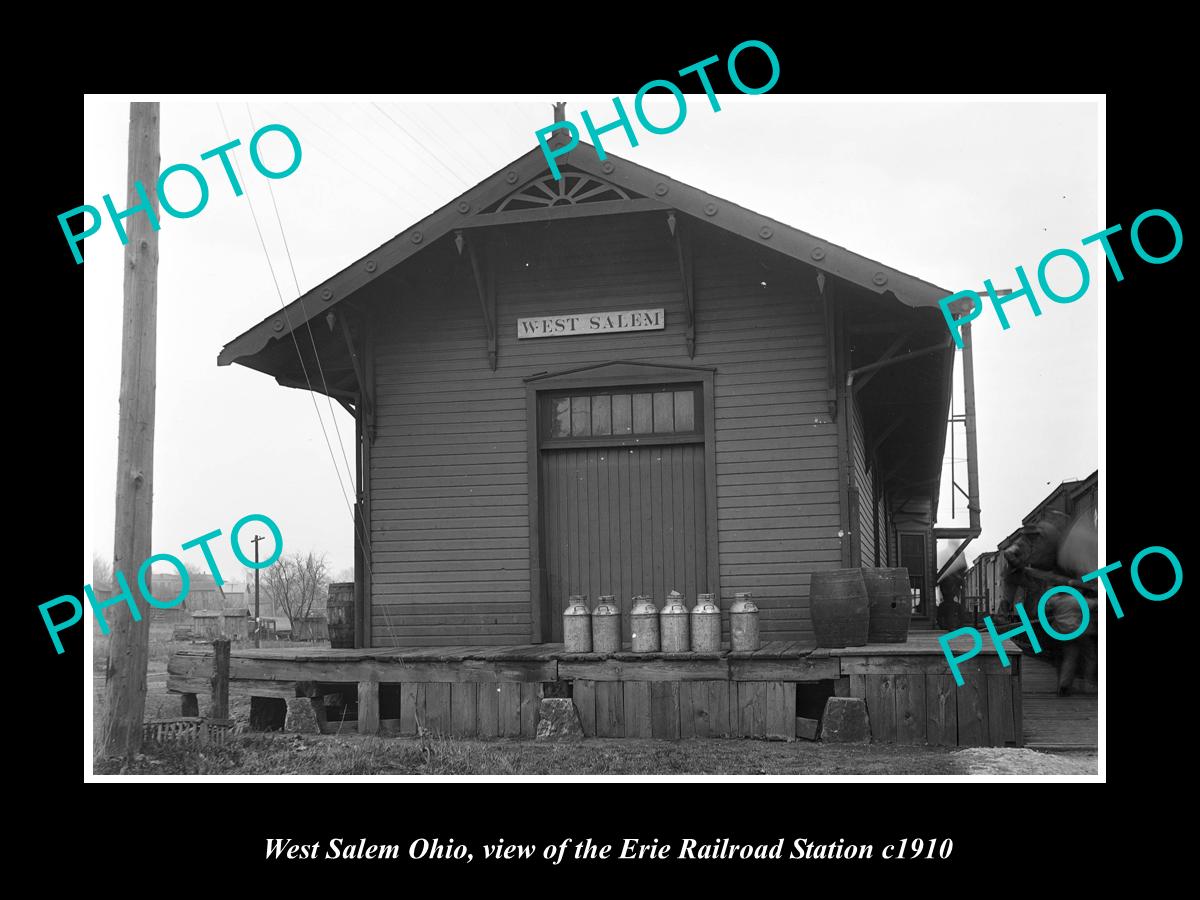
(743, 604)
(578, 606)
(705, 605)
(644, 606)
(607, 606)
(674, 605)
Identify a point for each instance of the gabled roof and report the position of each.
(637, 188)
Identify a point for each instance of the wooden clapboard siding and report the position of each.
(881, 550)
(450, 535)
(864, 484)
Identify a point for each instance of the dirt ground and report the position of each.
(1022, 761)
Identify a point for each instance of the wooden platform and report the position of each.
(1053, 722)
(494, 691)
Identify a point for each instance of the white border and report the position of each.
(1099, 99)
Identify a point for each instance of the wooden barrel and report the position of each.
(891, 605)
(340, 609)
(839, 607)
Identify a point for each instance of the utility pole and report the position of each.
(255, 540)
(129, 642)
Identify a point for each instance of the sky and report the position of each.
(949, 191)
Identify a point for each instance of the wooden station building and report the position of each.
(616, 383)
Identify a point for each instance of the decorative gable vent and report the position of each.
(575, 187)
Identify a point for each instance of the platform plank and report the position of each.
(919, 664)
(973, 726)
(1052, 722)
(781, 710)
(610, 709)
(881, 707)
(531, 698)
(718, 708)
(918, 643)
(693, 705)
(941, 710)
(509, 713)
(637, 709)
(584, 694)
(644, 670)
(419, 713)
(796, 668)
(464, 706)
(664, 710)
(408, 704)
(751, 708)
(437, 707)
(1000, 710)
(245, 687)
(487, 712)
(911, 721)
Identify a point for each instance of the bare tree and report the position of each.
(295, 583)
(102, 573)
(345, 575)
(266, 606)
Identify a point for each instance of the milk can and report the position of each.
(644, 621)
(706, 625)
(606, 626)
(674, 624)
(743, 623)
(577, 626)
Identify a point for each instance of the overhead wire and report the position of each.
(359, 537)
(466, 141)
(451, 149)
(374, 185)
(404, 190)
(307, 322)
(295, 342)
(414, 175)
(415, 140)
(283, 307)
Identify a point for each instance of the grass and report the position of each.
(280, 754)
(159, 703)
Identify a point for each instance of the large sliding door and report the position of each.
(623, 496)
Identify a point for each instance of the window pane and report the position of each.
(664, 413)
(642, 421)
(685, 415)
(622, 414)
(601, 424)
(560, 417)
(581, 416)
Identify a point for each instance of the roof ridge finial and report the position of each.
(560, 111)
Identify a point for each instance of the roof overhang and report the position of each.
(659, 192)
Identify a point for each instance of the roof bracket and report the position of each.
(483, 284)
(683, 251)
(367, 405)
(887, 433)
(868, 372)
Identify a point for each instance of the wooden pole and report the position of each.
(220, 680)
(128, 648)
